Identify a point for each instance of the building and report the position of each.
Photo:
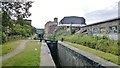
(51, 26)
(72, 20)
(72, 23)
(109, 28)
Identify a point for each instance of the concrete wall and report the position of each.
(71, 56)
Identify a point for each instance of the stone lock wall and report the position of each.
(71, 56)
(68, 57)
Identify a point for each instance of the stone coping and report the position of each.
(45, 57)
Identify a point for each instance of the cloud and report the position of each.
(46, 10)
(101, 15)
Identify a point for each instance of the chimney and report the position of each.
(55, 20)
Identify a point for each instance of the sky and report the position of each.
(92, 10)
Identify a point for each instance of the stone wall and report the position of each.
(71, 56)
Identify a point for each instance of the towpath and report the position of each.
(19, 49)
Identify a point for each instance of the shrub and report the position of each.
(95, 42)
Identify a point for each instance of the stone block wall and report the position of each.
(71, 56)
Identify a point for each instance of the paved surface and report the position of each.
(19, 49)
(46, 58)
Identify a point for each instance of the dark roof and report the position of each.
(72, 20)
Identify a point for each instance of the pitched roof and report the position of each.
(72, 20)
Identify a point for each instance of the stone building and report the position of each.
(109, 28)
(51, 26)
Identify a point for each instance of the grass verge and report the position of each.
(8, 47)
(106, 56)
(29, 57)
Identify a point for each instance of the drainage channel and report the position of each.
(54, 52)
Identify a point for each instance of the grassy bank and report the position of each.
(8, 47)
(29, 57)
(99, 43)
(107, 56)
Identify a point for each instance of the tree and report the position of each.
(0, 27)
(17, 10)
(13, 22)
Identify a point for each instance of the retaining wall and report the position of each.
(71, 56)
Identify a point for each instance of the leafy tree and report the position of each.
(13, 22)
(17, 9)
(0, 27)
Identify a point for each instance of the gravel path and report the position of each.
(19, 49)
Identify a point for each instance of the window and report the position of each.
(118, 29)
(95, 30)
(102, 29)
(113, 29)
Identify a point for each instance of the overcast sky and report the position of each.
(92, 10)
